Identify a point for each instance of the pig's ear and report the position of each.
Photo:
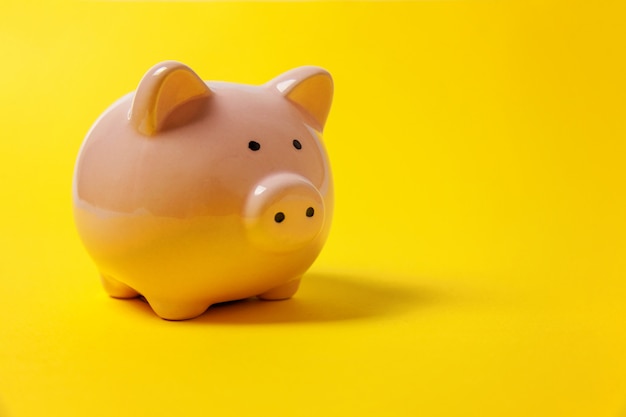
(309, 87)
(168, 96)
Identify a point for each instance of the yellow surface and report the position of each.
(477, 260)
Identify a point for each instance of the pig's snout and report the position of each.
(284, 212)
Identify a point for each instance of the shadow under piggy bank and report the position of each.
(325, 297)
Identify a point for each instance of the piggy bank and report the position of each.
(191, 193)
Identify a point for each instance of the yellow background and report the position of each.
(477, 259)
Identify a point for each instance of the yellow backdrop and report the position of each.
(477, 259)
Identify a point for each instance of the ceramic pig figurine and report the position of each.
(192, 193)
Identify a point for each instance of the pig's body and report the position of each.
(219, 195)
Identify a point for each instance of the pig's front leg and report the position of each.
(182, 309)
(281, 292)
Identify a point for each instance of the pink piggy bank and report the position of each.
(192, 193)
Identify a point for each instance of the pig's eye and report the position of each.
(297, 144)
(253, 145)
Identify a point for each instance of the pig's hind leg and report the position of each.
(117, 289)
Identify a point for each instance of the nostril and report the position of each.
(310, 212)
(279, 217)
